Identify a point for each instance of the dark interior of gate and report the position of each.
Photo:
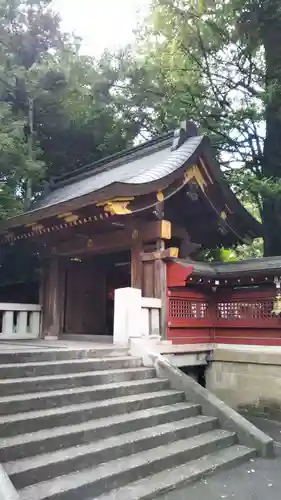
(90, 282)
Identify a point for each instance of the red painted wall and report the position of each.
(227, 316)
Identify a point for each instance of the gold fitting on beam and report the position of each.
(173, 252)
(34, 226)
(63, 216)
(68, 217)
(202, 163)
(160, 196)
(166, 230)
(71, 218)
(116, 206)
(195, 173)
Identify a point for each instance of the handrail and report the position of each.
(228, 418)
(20, 320)
(7, 489)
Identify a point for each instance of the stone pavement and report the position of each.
(42, 344)
(259, 479)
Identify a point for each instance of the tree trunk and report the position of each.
(270, 29)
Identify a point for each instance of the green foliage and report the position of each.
(192, 66)
(81, 122)
(57, 108)
(214, 62)
(26, 31)
(217, 63)
(240, 252)
(15, 165)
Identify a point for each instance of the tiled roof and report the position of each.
(143, 167)
(268, 265)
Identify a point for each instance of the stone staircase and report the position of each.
(86, 424)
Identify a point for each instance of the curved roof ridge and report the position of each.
(113, 160)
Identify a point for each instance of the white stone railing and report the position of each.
(20, 321)
(150, 311)
(135, 316)
(7, 489)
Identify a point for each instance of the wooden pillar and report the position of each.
(160, 286)
(212, 313)
(42, 293)
(53, 297)
(136, 264)
(148, 269)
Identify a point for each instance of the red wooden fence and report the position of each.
(190, 318)
(226, 316)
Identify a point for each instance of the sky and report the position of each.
(101, 23)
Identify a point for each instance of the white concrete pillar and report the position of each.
(127, 315)
(8, 323)
(22, 323)
(35, 320)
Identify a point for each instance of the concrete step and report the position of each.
(97, 480)
(29, 471)
(170, 348)
(169, 480)
(102, 338)
(56, 382)
(48, 440)
(60, 354)
(42, 369)
(32, 421)
(10, 405)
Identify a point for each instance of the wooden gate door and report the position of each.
(85, 308)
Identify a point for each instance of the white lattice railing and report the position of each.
(20, 321)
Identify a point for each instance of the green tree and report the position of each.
(83, 121)
(13, 162)
(57, 108)
(28, 30)
(217, 63)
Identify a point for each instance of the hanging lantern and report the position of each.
(276, 310)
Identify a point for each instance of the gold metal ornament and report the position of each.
(276, 310)
(160, 196)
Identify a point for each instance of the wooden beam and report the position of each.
(172, 252)
(187, 247)
(115, 241)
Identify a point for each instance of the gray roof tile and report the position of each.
(268, 265)
(154, 166)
